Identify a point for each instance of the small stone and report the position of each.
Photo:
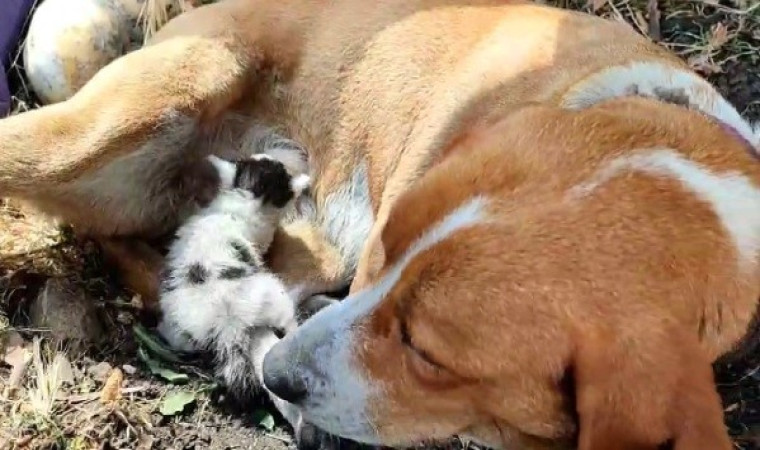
(125, 318)
(66, 311)
(23, 441)
(100, 371)
(12, 348)
(78, 374)
(63, 369)
(145, 442)
(128, 369)
(137, 302)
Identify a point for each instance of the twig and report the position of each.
(279, 438)
(123, 419)
(96, 395)
(653, 9)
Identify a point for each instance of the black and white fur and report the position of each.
(217, 294)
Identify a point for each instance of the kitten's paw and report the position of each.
(225, 169)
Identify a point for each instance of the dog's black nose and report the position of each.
(281, 378)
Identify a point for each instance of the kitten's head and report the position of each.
(269, 180)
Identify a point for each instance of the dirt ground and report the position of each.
(63, 397)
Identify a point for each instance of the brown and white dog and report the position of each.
(552, 224)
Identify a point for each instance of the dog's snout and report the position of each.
(281, 378)
(289, 386)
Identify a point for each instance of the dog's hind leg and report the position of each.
(138, 267)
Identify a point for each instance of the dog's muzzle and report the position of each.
(281, 378)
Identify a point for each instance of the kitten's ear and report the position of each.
(227, 171)
(299, 184)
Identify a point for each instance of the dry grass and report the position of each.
(155, 13)
(719, 39)
(59, 407)
(711, 32)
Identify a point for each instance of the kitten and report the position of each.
(217, 294)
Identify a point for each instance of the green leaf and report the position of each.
(78, 443)
(208, 387)
(157, 369)
(263, 419)
(176, 402)
(146, 339)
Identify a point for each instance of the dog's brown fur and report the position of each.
(627, 338)
(401, 86)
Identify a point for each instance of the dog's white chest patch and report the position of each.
(347, 217)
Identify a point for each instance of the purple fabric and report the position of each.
(5, 96)
(13, 14)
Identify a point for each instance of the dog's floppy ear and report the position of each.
(646, 389)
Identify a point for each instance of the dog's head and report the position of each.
(490, 314)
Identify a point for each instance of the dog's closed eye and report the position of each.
(425, 367)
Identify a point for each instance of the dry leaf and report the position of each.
(17, 355)
(19, 368)
(596, 5)
(14, 348)
(111, 391)
(718, 35)
(641, 22)
(23, 441)
(702, 63)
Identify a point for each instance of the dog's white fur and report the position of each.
(651, 80)
(734, 198)
(347, 217)
(338, 391)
